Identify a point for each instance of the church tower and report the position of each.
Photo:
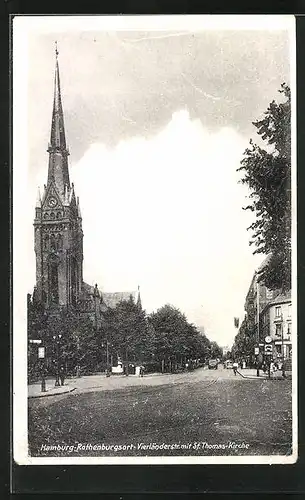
(58, 222)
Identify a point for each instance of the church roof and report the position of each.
(113, 299)
(107, 298)
(88, 288)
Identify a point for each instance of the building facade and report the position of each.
(268, 314)
(257, 298)
(277, 323)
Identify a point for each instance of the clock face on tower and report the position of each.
(52, 202)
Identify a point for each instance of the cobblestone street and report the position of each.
(117, 414)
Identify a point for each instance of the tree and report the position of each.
(244, 341)
(267, 172)
(216, 351)
(79, 341)
(176, 340)
(69, 338)
(227, 356)
(170, 327)
(128, 328)
(36, 326)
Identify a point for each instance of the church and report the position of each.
(58, 234)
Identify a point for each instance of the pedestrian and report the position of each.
(244, 364)
(142, 371)
(62, 375)
(235, 366)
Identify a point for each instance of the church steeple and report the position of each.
(58, 153)
(139, 302)
(58, 224)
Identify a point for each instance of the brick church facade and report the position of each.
(59, 234)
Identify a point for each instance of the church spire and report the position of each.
(38, 199)
(139, 302)
(58, 162)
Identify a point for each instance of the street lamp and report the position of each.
(41, 358)
(283, 356)
(107, 357)
(57, 339)
(258, 325)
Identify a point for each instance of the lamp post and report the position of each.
(106, 345)
(283, 357)
(57, 339)
(107, 359)
(41, 358)
(258, 332)
(78, 358)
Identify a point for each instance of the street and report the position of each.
(205, 412)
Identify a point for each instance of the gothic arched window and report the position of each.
(53, 282)
(52, 243)
(46, 242)
(59, 242)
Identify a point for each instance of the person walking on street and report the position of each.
(235, 366)
(62, 375)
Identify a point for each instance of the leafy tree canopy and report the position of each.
(244, 341)
(266, 171)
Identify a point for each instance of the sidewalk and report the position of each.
(89, 383)
(92, 382)
(34, 390)
(251, 373)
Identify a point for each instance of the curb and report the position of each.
(252, 377)
(46, 394)
(265, 378)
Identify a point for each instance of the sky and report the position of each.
(156, 122)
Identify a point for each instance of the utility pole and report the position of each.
(127, 367)
(57, 339)
(257, 319)
(43, 369)
(107, 359)
(41, 357)
(283, 357)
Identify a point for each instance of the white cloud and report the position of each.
(166, 213)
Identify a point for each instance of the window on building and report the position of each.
(53, 282)
(289, 310)
(278, 311)
(59, 242)
(52, 242)
(278, 330)
(288, 328)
